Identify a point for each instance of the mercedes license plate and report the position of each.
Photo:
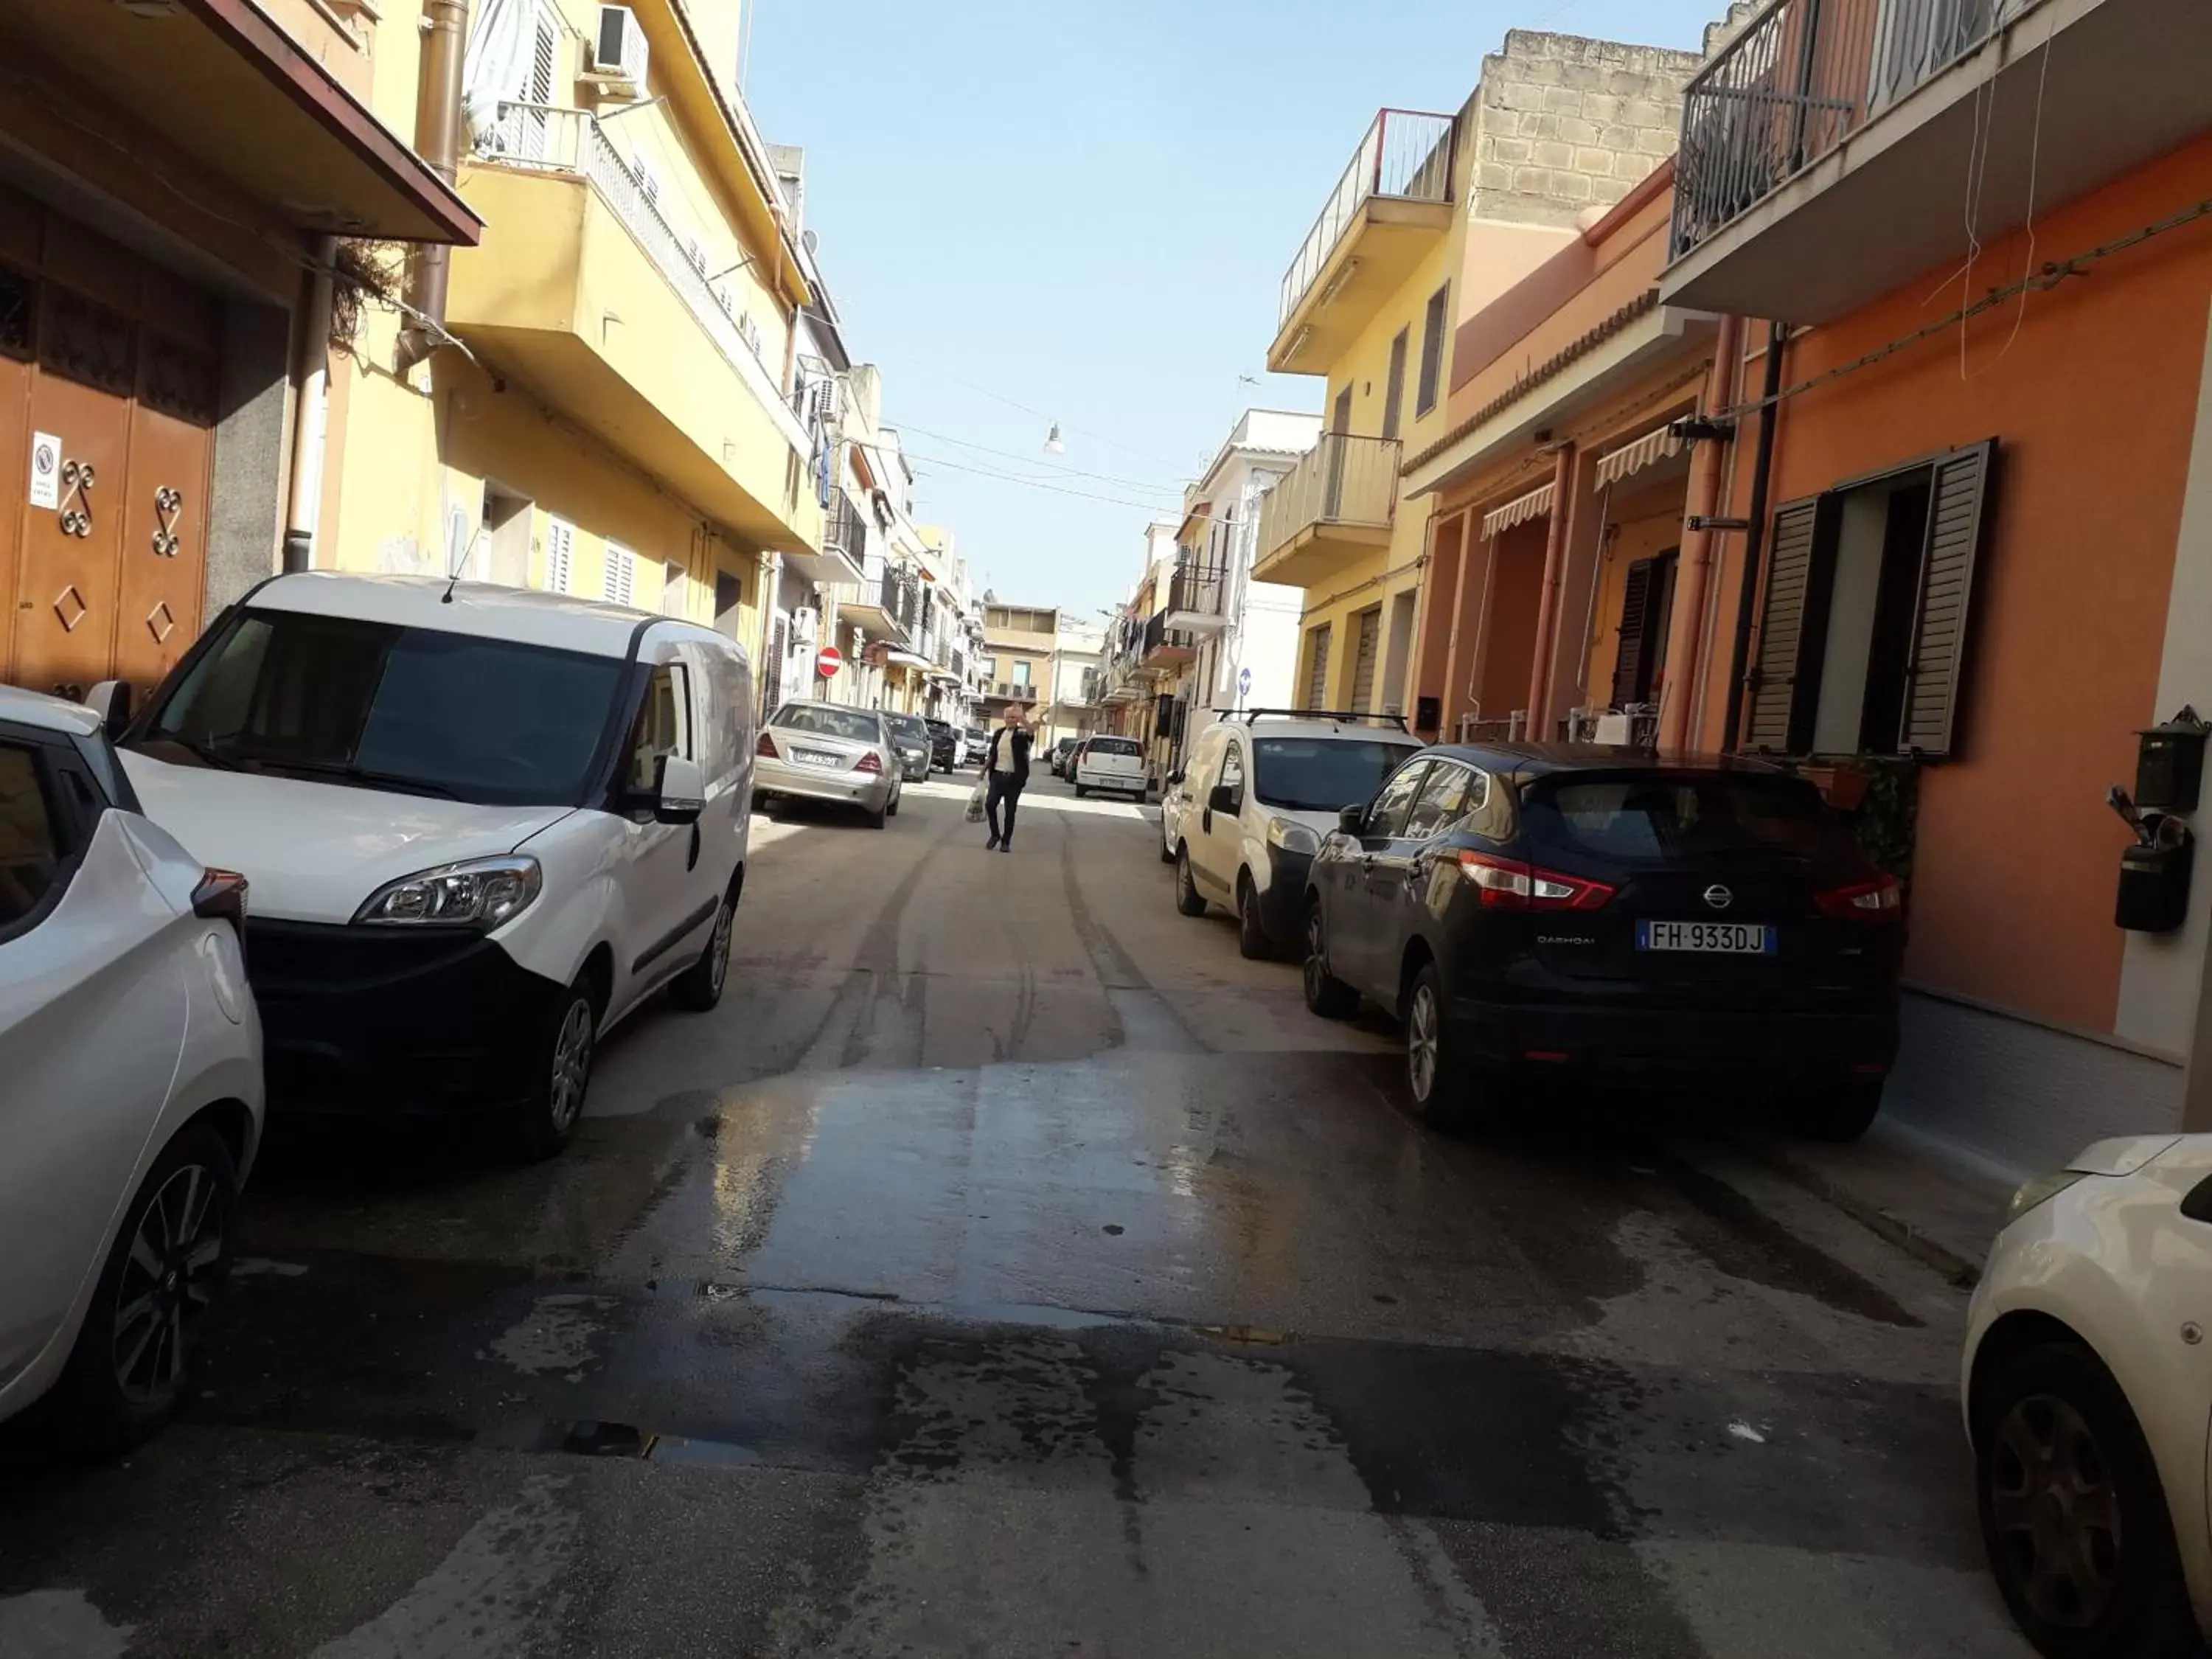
(1728, 939)
(815, 758)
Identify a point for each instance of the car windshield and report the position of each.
(1660, 820)
(1112, 746)
(828, 720)
(975, 734)
(908, 726)
(410, 710)
(1323, 774)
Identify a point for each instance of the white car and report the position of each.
(1243, 817)
(1110, 766)
(132, 1109)
(825, 751)
(2086, 1382)
(483, 825)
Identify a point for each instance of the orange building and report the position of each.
(173, 179)
(1974, 476)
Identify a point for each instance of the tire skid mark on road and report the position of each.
(1144, 1018)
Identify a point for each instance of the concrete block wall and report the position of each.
(1564, 123)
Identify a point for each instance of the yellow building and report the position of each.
(599, 403)
(1435, 217)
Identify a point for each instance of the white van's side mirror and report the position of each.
(111, 700)
(679, 790)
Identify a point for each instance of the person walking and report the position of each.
(1005, 770)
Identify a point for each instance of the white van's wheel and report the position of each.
(562, 1072)
(699, 987)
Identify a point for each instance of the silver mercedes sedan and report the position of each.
(825, 751)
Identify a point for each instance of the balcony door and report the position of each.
(1339, 423)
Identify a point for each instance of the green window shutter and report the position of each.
(1956, 514)
(1792, 622)
(1635, 604)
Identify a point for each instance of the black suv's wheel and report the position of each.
(1188, 900)
(1252, 941)
(567, 1043)
(1838, 1112)
(135, 1353)
(1326, 995)
(699, 987)
(1443, 1089)
(2075, 1523)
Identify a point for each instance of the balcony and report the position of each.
(843, 559)
(1166, 646)
(884, 606)
(1335, 507)
(1834, 125)
(1197, 599)
(1008, 691)
(1392, 203)
(582, 292)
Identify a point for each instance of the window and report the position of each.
(1862, 632)
(1386, 819)
(829, 721)
(619, 583)
(1394, 388)
(415, 710)
(560, 556)
(1021, 671)
(1452, 794)
(659, 728)
(1433, 349)
(1232, 772)
(1322, 775)
(1647, 606)
(675, 590)
(1113, 746)
(987, 666)
(1659, 820)
(30, 841)
(729, 594)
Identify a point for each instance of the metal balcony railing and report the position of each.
(1406, 154)
(1801, 77)
(545, 138)
(1008, 691)
(1159, 638)
(1197, 588)
(845, 528)
(1343, 479)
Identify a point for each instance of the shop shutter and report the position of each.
(1369, 624)
(1635, 608)
(1778, 719)
(1318, 666)
(1955, 516)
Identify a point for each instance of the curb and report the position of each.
(1883, 1224)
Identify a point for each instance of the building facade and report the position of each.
(1247, 630)
(174, 183)
(1019, 643)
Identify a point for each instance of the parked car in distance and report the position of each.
(824, 751)
(132, 1106)
(947, 745)
(978, 741)
(2086, 1399)
(1609, 915)
(1243, 817)
(484, 824)
(1061, 751)
(1112, 765)
(910, 737)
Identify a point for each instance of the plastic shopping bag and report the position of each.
(976, 804)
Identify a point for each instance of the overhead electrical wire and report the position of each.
(1067, 471)
(1153, 508)
(1026, 409)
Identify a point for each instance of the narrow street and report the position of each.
(1008, 1268)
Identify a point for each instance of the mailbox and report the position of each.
(2170, 764)
(2153, 896)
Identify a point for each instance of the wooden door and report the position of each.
(163, 572)
(65, 609)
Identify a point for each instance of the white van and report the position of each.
(482, 825)
(1243, 816)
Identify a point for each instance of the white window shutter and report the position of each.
(560, 555)
(621, 577)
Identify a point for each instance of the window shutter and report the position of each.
(1635, 606)
(1370, 624)
(560, 549)
(1955, 516)
(621, 579)
(1778, 718)
(1394, 389)
(1317, 669)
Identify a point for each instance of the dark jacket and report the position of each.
(1022, 742)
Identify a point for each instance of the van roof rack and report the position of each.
(1252, 716)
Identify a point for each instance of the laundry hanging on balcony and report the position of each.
(1536, 504)
(497, 67)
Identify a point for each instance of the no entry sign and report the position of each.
(827, 661)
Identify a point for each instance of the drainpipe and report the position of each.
(1697, 544)
(1547, 606)
(438, 141)
(311, 415)
(1754, 541)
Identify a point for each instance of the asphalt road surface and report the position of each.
(1007, 1267)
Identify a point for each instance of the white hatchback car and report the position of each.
(132, 1110)
(2087, 1387)
(483, 825)
(1109, 765)
(1243, 817)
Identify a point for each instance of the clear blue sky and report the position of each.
(1087, 208)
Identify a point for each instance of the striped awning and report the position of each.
(1536, 504)
(907, 659)
(1655, 445)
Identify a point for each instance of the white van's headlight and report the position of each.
(1292, 836)
(480, 893)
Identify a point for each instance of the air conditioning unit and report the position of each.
(618, 48)
(805, 625)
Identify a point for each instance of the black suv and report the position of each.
(944, 745)
(1572, 910)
